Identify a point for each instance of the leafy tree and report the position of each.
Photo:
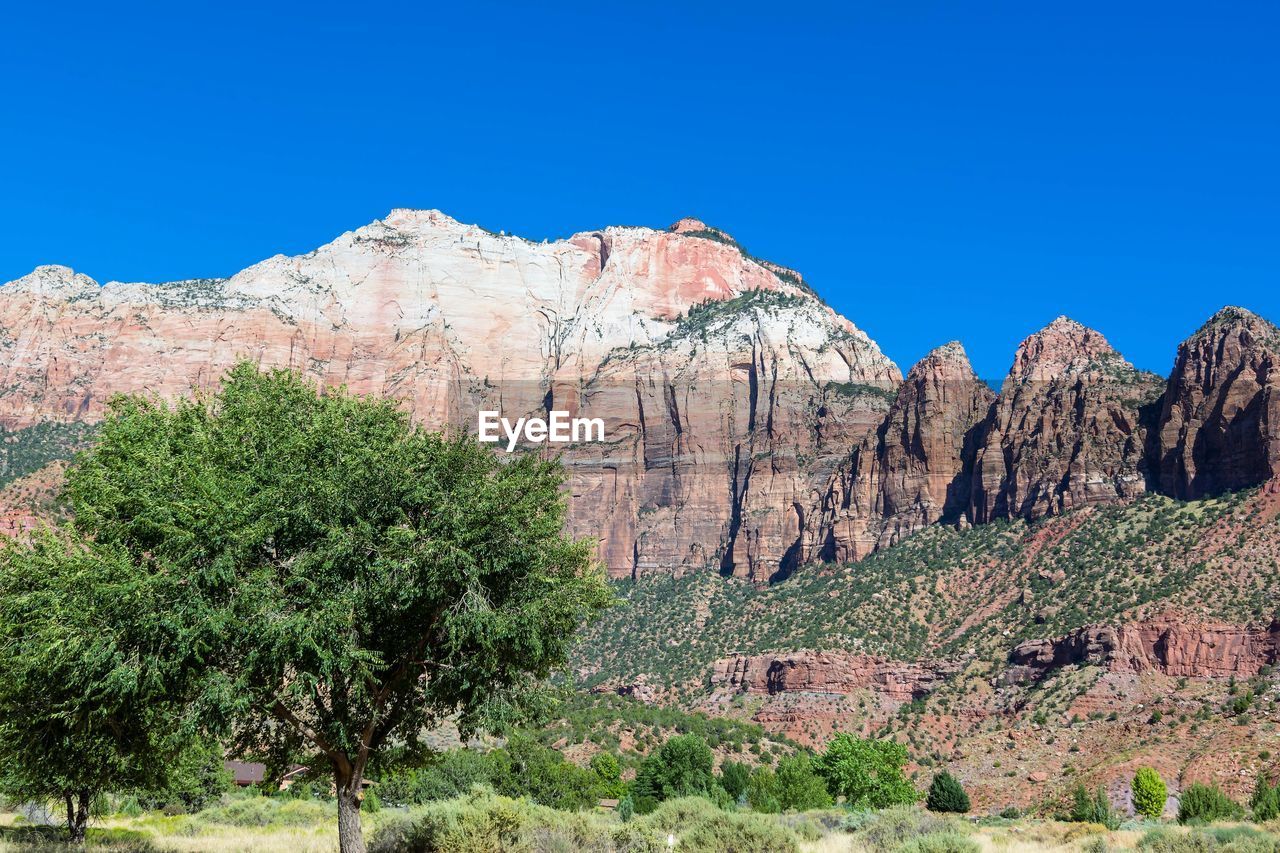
(526, 768)
(450, 773)
(196, 779)
(681, 767)
(946, 794)
(734, 778)
(867, 773)
(1149, 793)
(1093, 808)
(762, 791)
(81, 713)
(1201, 803)
(609, 773)
(349, 580)
(799, 785)
(1265, 802)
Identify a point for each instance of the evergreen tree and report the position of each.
(946, 794)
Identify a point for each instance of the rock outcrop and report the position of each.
(1068, 430)
(1168, 646)
(827, 672)
(722, 379)
(913, 470)
(1219, 427)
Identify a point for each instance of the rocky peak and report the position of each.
(691, 225)
(1219, 427)
(1064, 346)
(52, 281)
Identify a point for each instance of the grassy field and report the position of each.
(485, 823)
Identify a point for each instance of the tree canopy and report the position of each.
(348, 579)
(867, 773)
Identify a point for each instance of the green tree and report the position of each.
(762, 791)
(1093, 808)
(82, 711)
(681, 767)
(867, 773)
(946, 794)
(799, 786)
(1201, 803)
(1265, 802)
(526, 768)
(349, 580)
(609, 772)
(734, 778)
(1149, 793)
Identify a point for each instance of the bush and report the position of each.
(799, 786)
(734, 778)
(947, 795)
(1149, 793)
(1265, 802)
(940, 842)
(1205, 804)
(1095, 808)
(762, 791)
(700, 827)
(893, 827)
(680, 768)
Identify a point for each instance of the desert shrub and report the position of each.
(940, 842)
(700, 827)
(1149, 793)
(946, 794)
(267, 811)
(893, 827)
(1205, 804)
(1218, 839)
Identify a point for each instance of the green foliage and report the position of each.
(340, 579)
(800, 787)
(197, 777)
(1265, 802)
(1149, 793)
(449, 774)
(1093, 808)
(762, 791)
(866, 773)
(1201, 803)
(680, 768)
(27, 450)
(941, 842)
(525, 768)
(608, 773)
(1236, 839)
(84, 708)
(734, 778)
(946, 794)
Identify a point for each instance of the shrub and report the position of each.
(1265, 802)
(762, 791)
(940, 842)
(734, 778)
(1095, 808)
(893, 827)
(700, 827)
(1149, 793)
(946, 794)
(608, 772)
(1205, 804)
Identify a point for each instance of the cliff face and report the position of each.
(913, 470)
(722, 379)
(1067, 430)
(1220, 422)
(1168, 646)
(827, 672)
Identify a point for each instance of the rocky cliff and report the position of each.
(827, 672)
(1169, 646)
(728, 388)
(1220, 421)
(1067, 430)
(913, 470)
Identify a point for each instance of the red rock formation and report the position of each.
(914, 470)
(827, 672)
(1168, 645)
(1067, 430)
(1220, 425)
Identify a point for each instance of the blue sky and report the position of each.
(937, 170)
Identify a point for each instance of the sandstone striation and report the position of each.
(913, 470)
(1068, 430)
(1168, 646)
(827, 672)
(1219, 427)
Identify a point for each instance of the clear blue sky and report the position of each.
(937, 170)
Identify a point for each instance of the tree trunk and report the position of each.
(350, 835)
(78, 818)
